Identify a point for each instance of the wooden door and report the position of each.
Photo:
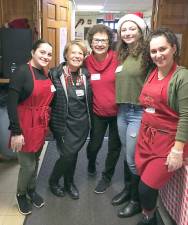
(173, 14)
(1, 13)
(55, 15)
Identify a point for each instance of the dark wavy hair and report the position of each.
(100, 28)
(171, 39)
(38, 43)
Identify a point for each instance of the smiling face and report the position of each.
(74, 57)
(162, 52)
(130, 32)
(100, 43)
(42, 56)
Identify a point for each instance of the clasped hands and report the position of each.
(17, 141)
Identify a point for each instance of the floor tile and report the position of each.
(13, 220)
(5, 203)
(9, 167)
(1, 220)
(12, 208)
(9, 214)
(9, 182)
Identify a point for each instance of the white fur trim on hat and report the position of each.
(134, 18)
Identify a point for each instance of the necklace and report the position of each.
(160, 76)
(76, 81)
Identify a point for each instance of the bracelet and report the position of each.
(176, 151)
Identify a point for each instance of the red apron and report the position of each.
(34, 114)
(157, 131)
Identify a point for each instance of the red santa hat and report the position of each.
(136, 17)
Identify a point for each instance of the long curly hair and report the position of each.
(140, 48)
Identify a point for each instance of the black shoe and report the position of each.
(57, 190)
(35, 198)
(122, 197)
(148, 221)
(102, 185)
(91, 169)
(24, 205)
(129, 209)
(72, 190)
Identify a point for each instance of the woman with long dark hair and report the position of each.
(130, 76)
(29, 97)
(162, 143)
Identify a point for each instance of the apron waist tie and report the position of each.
(43, 113)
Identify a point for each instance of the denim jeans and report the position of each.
(128, 120)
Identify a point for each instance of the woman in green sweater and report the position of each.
(162, 143)
(130, 77)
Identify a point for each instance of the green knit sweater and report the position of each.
(178, 101)
(129, 81)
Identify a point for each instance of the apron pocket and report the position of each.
(162, 144)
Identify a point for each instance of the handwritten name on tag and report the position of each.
(53, 88)
(95, 76)
(119, 69)
(80, 93)
(150, 110)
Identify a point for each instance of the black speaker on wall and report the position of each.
(16, 47)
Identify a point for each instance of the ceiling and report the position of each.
(123, 6)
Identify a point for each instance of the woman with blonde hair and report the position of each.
(70, 117)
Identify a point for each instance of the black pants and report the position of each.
(27, 176)
(99, 127)
(148, 196)
(66, 164)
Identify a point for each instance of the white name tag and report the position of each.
(53, 88)
(80, 93)
(119, 69)
(95, 76)
(150, 110)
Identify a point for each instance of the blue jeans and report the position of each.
(128, 120)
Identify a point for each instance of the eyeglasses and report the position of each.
(103, 41)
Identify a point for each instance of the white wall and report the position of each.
(79, 31)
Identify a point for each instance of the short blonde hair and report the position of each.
(80, 44)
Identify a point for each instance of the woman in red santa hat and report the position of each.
(130, 77)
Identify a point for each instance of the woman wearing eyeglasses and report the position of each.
(101, 64)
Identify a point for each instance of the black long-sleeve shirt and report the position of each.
(20, 88)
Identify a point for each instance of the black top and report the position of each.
(20, 88)
(60, 103)
(77, 122)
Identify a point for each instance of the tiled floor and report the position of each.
(9, 214)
